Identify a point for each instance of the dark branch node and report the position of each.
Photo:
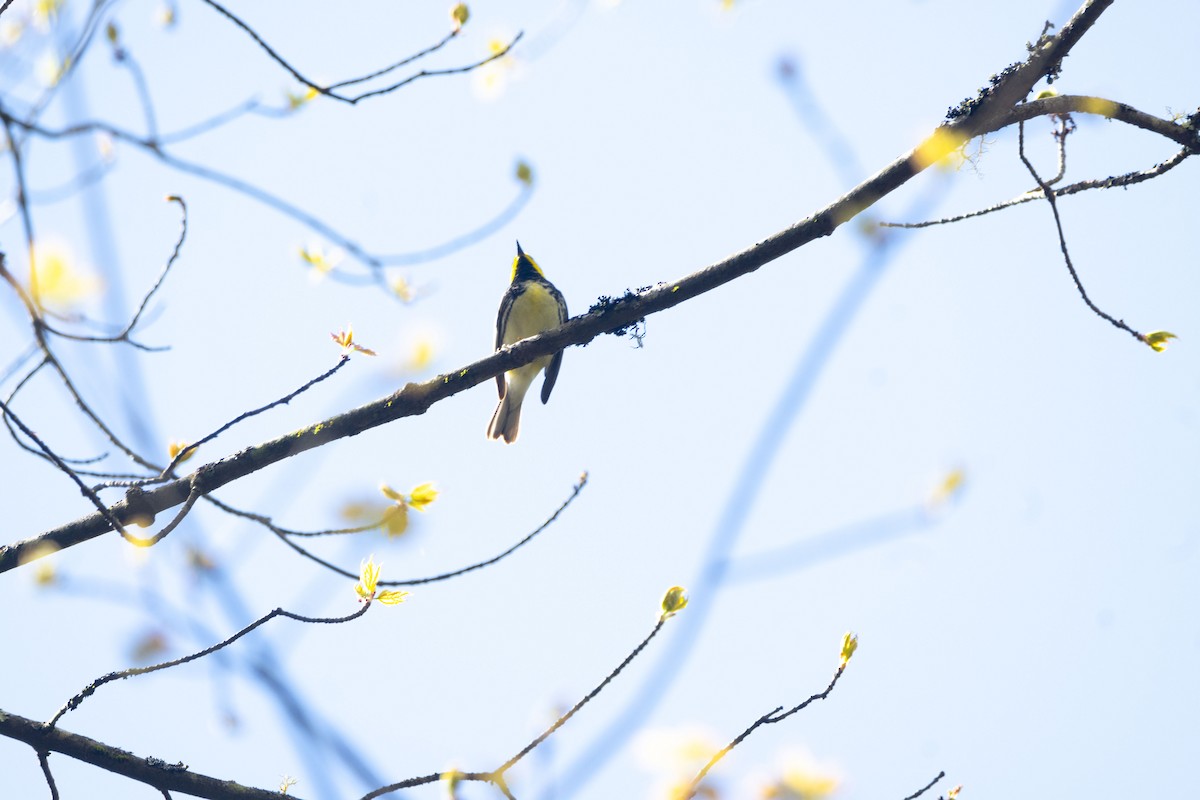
(604, 304)
(969, 105)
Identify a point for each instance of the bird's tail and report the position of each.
(506, 422)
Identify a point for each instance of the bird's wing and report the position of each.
(556, 360)
(506, 304)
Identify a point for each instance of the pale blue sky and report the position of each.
(1037, 636)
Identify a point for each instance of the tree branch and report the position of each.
(991, 110)
(150, 771)
(352, 100)
(1186, 135)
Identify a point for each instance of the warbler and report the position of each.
(530, 306)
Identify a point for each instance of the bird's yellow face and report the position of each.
(529, 262)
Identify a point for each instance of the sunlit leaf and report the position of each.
(402, 289)
(176, 447)
(1158, 339)
(459, 16)
(674, 601)
(802, 778)
(395, 520)
(422, 496)
(149, 646)
(524, 172)
(61, 285)
(368, 579)
(849, 645)
(345, 339)
(391, 597)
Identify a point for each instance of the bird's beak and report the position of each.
(520, 252)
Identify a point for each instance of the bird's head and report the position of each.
(524, 267)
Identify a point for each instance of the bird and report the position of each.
(530, 306)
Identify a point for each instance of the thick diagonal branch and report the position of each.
(150, 771)
(991, 111)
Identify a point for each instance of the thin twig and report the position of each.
(927, 786)
(285, 536)
(83, 406)
(184, 452)
(28, 299)
(125, 59)
(70, 188)
(1061, 107)
(487, 563)
(770, 718)
(270, 525)
(328, 91)
(435, 73)
(70, 473)
(1062, 239)
(18, 363)
(38, 452)
(983, 115)
(422, 780)
(213, 122)
(1066, 126)
(374, 262)
(31, 449)
(1183, 133)
(44, 761)
(558, 723)
(496, 776)
(1127, 179)
(183, 230)
(124, 335)
(403, 62)
(91, 688)
(74, 56)
(193, 496)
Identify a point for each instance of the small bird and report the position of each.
(530, 306)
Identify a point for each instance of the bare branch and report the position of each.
(496, 776)
(401, 63)
(455, 573)
(87, 492)
(91, 688)
(1128, 179)
(150, 771)
(1062, 240)
(374, 262)
(285, 535)
(987, 113)
(927, 786)
(770, 718)
(125, 59)
(212, 123)
(44, 762)
(558, 723)
(328, 91)
(191, 448)
(71, 187)
(28, 299)
(1186, 134)
(124, 335)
